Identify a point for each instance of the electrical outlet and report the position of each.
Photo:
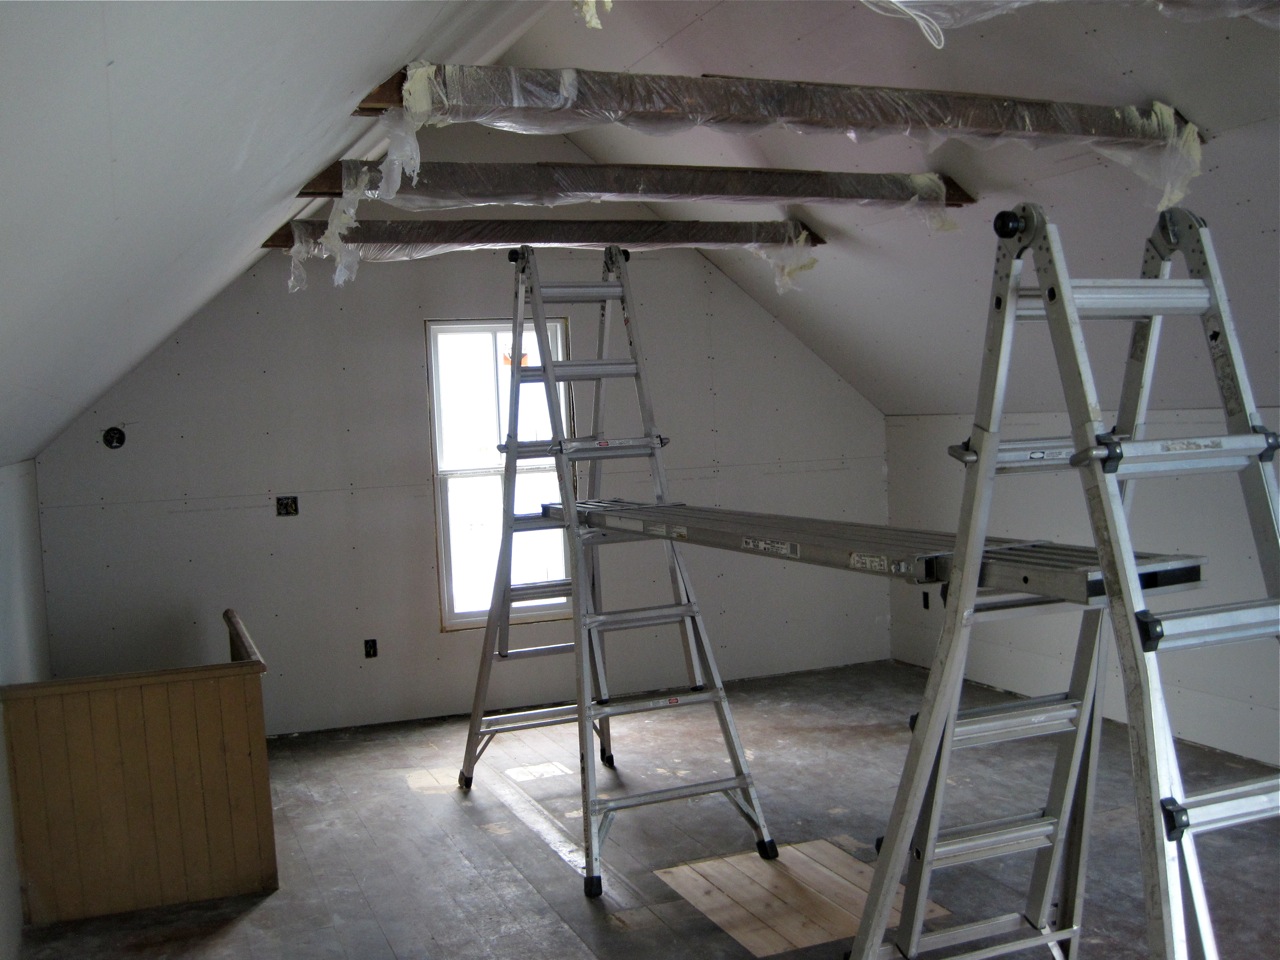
(370, 648)
(286, 506)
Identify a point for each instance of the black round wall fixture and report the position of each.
(113, 438)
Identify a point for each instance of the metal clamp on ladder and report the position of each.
(1106, 460)
(590, 446)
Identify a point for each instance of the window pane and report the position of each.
(539, 555)
(467, 405)
(535, 419)
(474, 531)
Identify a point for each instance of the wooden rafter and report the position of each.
(501, 234)
(473, 184)
(534, 100)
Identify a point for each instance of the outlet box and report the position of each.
(286, 506)
(370, 648)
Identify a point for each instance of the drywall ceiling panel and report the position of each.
(895, 303)
(149, 148)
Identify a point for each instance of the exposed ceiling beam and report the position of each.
(445, 185)
(501, 234)
(535, 100)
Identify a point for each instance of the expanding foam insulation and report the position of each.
(323, 395)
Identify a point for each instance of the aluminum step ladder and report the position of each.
(1106, 460)
(588, 449)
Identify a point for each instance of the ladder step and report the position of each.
(588, 448)
(581, 292)
(528, 522)
(1023, 455)
(995, 838)
(1229, 806)
(1015, 721)
(600, 449)
(1149, 458)
(1123, 299)
(1229, 623)
(565, 370)
(527, 719)
(621, 706)
(639, 617)
(543, 590)
(603, 806)
(524, 653)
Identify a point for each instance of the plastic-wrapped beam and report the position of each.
(533, 100)
(442, 236)
(442, 186)
(786, 244)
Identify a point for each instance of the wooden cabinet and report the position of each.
(141, 789)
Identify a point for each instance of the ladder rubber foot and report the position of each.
(592, 886)
(768, 849)
(463, 780)
(606, 759)
(879, 843)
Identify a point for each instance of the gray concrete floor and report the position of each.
(382, 858)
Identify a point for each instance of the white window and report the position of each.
(470, 364)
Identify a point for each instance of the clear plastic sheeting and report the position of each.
(932, 15)
(1170, 168)
(529, 100)
(446, 186)
(403, 155)
(786, 244)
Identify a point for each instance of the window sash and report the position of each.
(468, 469)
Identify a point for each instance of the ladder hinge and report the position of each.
(1177, 820)
(1273, 444)
(1150, 630)
(1113, 454)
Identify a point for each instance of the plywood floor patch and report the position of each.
(813, 893)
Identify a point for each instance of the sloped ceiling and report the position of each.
(897, 306)
(148, 149)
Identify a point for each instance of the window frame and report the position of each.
(534, 611)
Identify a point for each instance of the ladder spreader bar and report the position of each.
(640, 617)
(1242, 803)
(620, 706)
(520, 653)
(544, 590)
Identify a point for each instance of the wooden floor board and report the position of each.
(813, 893)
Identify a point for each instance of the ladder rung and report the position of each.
(588, 448)
(640, 617)
(1146, 458)
(528, 522)
(1230, 623)
(601, 449)
(996, 838)
(528, 719)
(1123, 299)
(1014, 721)
(1229, 806)
(619, 706)
(581, 292)
(523, 653)
(543, 590)
(565, 370)
(603, 806)
(1023, 455)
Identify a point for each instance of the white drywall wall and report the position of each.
(1225, 697)
(23, 653)
(322, 394)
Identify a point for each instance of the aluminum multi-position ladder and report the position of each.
(1107, 459)
(589, 447)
